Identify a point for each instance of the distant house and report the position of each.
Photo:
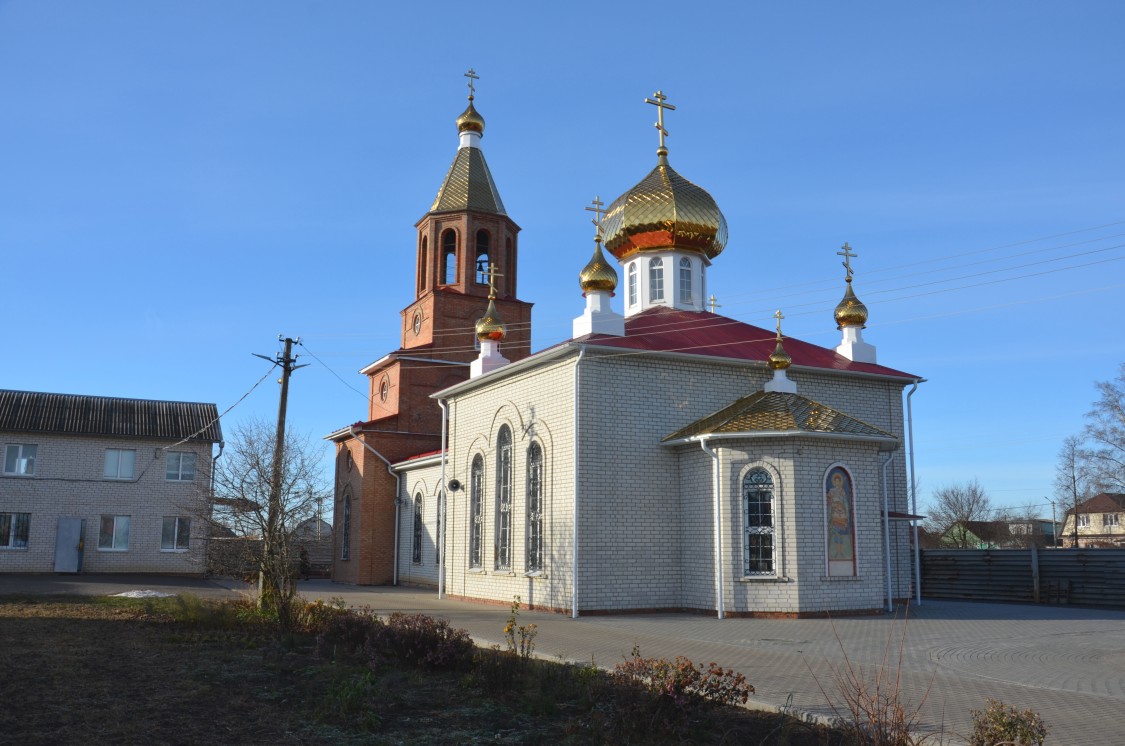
(1101, 522)
(104, 485)
(976, 535)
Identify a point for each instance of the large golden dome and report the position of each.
(470, 120)
(664, 211)
(598, 274)
(850, 311)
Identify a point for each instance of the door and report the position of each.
(68, 544)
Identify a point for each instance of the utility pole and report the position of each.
(1054, 524)
(272, 554)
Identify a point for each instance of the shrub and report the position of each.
(314, 617)
(344, 636)
(520, 637)
(1004, 724)
(420, 641)
(682, 679)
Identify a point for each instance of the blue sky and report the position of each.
(182, 181)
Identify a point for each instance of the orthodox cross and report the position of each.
(848, 256)
(658, 100)
(492, 275)
(779, 317)
(599, 213)
(714, 303)
(471, 75)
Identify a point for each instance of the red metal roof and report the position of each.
(700, 333)
(417, 456)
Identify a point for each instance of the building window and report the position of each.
(685, 280)
(504, 499)
(19, 459)
(535, 508)
(114, 533)
(439, 536)
(175, 533)
(346, 539)
(757, 511)
(448, 257)
(839, 507)
(384, 389)
(14, 528)
(633, 284)
(424, 266)
(1110, 520)
(120, 463)
(483, 263)
(476, 514)
(181, 467)
(656, 280)
(417, 556)
(1084, 520)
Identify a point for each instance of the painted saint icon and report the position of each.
(840, 517)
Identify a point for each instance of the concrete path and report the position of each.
(1066, 663)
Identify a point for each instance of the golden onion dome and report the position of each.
(470, 120)
(598, 274)
(490, 326)
(850, 311)
(779, 359)
(665, 211)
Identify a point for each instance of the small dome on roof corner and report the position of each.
(779, 359)
(665, 211)
(850, 311)
(598, 274)
(470, 120)
(490, 326)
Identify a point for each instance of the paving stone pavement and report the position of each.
(1066, 663)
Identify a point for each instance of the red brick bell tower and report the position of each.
(465, 235)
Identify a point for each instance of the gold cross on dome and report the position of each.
(471, 75)
(779, 317)
(658, 100)
(848, 256)
(599, 213)
(714, 303)
(492, 275)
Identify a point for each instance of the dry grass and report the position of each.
(184, 671)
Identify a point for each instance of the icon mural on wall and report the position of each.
(840, 517)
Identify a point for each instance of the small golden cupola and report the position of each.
(851, 316)
(471, 120)
(664, 231)
(779, 360)
(598, 280)
(490, 332)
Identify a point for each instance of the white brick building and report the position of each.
(663, 458)
(99, 485)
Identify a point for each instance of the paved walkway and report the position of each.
(1066, 663)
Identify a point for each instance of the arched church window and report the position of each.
(476, 515)
(504, 499)
(509, 267)
(535, 508)
(633, 283)
(483, 260)
(424, 266)
(346, 538)
(758, 523)
(656, 280)
(417, 548)
(448, 257)
(685, 280)
(439, 536)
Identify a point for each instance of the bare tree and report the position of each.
(955, 506)
(1105, 433)
(242, 503)
(1072, 477)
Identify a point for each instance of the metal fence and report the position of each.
(1094, 577)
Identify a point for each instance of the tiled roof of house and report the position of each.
(669, 330)
(1103, 502)
(777, 412)
(73, 414)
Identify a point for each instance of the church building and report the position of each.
(664, 457)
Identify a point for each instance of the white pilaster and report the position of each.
(854, 348)
(489, 360)
(781, 383)
(599, 317)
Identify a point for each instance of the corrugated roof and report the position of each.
(468, 186)
(778, 412)
(73, 414)
(663, 329)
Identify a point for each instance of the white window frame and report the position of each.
(535, 508)
(418, 531)
(685, 277)
(119, 535)
(1110, 520)
(178, 475)
(632, 273)
(504, 506)
(9, 525)
(656, 280)
(181, 529)
(113, 458)
(22, 464)
(748, 530)
(1083, 520)
(476, 513)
